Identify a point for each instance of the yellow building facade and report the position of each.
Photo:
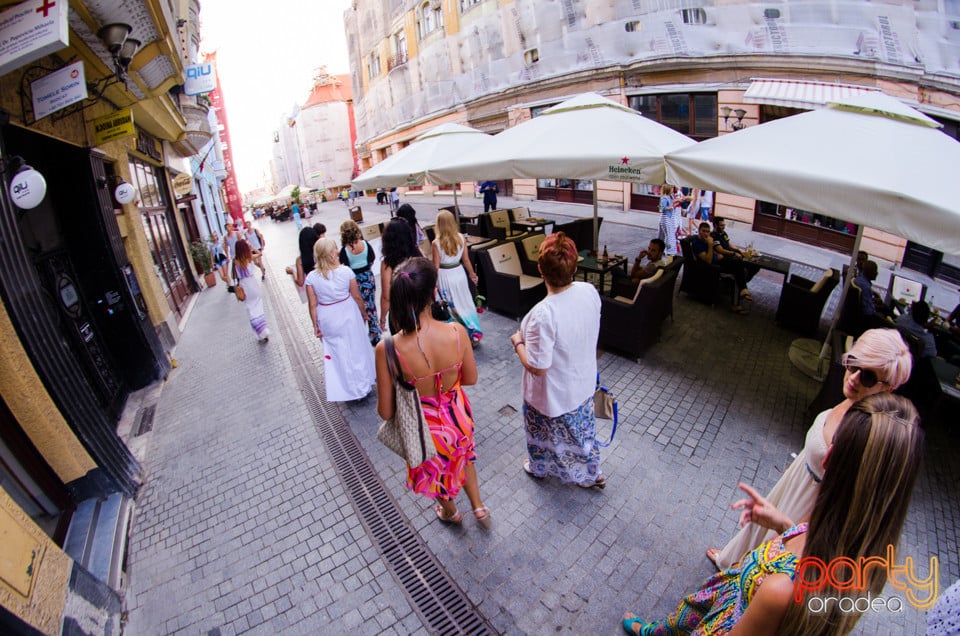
(92, 290)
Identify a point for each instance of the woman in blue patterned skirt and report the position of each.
(557, 346)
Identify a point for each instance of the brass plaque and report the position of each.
(20, 555)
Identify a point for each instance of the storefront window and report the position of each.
(693, 114)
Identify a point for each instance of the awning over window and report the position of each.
(799, 93)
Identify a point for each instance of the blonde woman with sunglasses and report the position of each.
(878, 362)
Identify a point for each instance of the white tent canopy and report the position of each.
(415, 164)
(869, 159)
(584, 137)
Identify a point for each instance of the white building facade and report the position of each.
(693, 65)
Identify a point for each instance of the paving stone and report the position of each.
(243, 511)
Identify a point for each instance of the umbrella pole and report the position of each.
(824, 351)
(456, 210)
(596, 230)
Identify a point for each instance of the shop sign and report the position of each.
(113, 126)
(31, 30)
(201, 78)
(58, 89)
(182, 184)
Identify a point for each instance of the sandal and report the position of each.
(483, 516)
(455, 519)
(600, 482)
(628, 624)
(745, 295)
(713, 554)
(529, 471)
(737, 309)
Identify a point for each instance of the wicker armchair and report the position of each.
(508, 290)
(802, 302)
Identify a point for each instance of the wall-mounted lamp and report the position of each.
(116, 37)
(124, 192)
(737, 113)
(27, 186)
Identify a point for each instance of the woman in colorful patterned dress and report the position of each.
(557, 346)
(878, 362)
(437, 358)
(860, 509)
(453, 267)
(358, 255)
(251, 287)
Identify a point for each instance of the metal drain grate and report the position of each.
(442, 605)
(145, 420)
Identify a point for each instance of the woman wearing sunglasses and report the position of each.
(878, 362)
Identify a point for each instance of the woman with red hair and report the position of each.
(557, 346)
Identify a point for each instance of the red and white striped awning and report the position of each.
(800, 93)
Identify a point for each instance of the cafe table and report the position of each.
(597, 265)
(770, 263)
(533, 224)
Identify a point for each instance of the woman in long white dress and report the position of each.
(339, 320)
(453, 267)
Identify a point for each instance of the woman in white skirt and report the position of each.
(453, 267)
(339, 320)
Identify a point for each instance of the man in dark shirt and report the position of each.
(728, 250)
(705, 248)
(864, 280)
(489, 190)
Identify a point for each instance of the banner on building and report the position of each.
(30, 30)
(113, 126)
(58, 89)
(230, 186)
(201, 78)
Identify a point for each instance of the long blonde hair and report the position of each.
(862, 504)
(325, 254)
(448, 234)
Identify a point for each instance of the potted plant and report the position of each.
(203, 261)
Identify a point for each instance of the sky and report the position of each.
(266, 59)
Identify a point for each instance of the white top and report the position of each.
(706, 199)
(560, 333)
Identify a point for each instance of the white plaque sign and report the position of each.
(30, 30)
(58, 89)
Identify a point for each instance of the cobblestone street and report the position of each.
(245, 523)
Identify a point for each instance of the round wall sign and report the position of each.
(124, 193)
(27, 188)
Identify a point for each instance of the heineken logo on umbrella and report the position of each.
(623, 171)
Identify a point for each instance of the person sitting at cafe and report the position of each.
(627, 286)
(870, 302)
(915, 323)
(728, 250)
(953, 320)
(655, 260)
(705, 248)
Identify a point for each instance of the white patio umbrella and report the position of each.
(869, 159)
(584, 137)
(415, 164)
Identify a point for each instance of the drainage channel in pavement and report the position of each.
(442, 606)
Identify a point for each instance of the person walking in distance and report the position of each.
(251, 289)
(252, 236)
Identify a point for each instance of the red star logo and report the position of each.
(624, 161)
